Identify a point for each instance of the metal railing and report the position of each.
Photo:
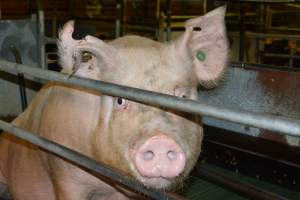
(270, 122)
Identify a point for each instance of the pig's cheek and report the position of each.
(130, 159)
(192, 142)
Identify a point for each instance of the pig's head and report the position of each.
(156, 146)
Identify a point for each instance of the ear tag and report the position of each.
(200, 55)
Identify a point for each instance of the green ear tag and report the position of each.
(200, 55)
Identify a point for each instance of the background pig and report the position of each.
(157, 147)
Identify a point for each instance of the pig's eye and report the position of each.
(197, 28)
(120, 103)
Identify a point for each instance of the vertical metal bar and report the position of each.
(0, 11)
(54, 20)
(157, 32)
(204, 6)
(21, 81)
(261, 22)
(169, 14)
(242, 33)
(118, 18)
(157, 9)
(292, 55)
(41, 35)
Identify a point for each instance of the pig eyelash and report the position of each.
(121, 103)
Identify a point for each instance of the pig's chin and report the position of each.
(158, 183)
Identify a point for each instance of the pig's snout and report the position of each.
(160, 157)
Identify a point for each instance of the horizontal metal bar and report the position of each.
(270, 122)
(262, 1)
(249, 190)
(256, 35)
(253, 153)
(83, 161)
(272, 35)
(259, 66)
(275, 55)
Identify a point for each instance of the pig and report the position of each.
(156, 146)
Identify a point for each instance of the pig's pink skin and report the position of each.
(108, 129)
(160, 157)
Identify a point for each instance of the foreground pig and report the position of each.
(157, 147)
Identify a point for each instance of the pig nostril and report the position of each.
(148, 155)
(159, 157)
(172, 155)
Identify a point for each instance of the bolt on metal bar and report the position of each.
(273, 123)
(84, 161)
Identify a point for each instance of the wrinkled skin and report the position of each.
(112, 130)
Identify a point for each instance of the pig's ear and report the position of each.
(204, 43)
(71, 51)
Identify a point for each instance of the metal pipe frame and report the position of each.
(21, 80)
(277, 124)
(271, 35)
(118, 19)
(273, 55)
(41, 35)
(262, 1)
(242, 33)
(169, 20)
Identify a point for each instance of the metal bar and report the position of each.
(21, 81)
(291, 56)
(169, 15)
(271, 35)
(263, 1)
(244, 188)
(41, 39)
(118, 19)
(83, 161)
(253, 153)
(265, 66)
(270, 122)
(242, 33)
